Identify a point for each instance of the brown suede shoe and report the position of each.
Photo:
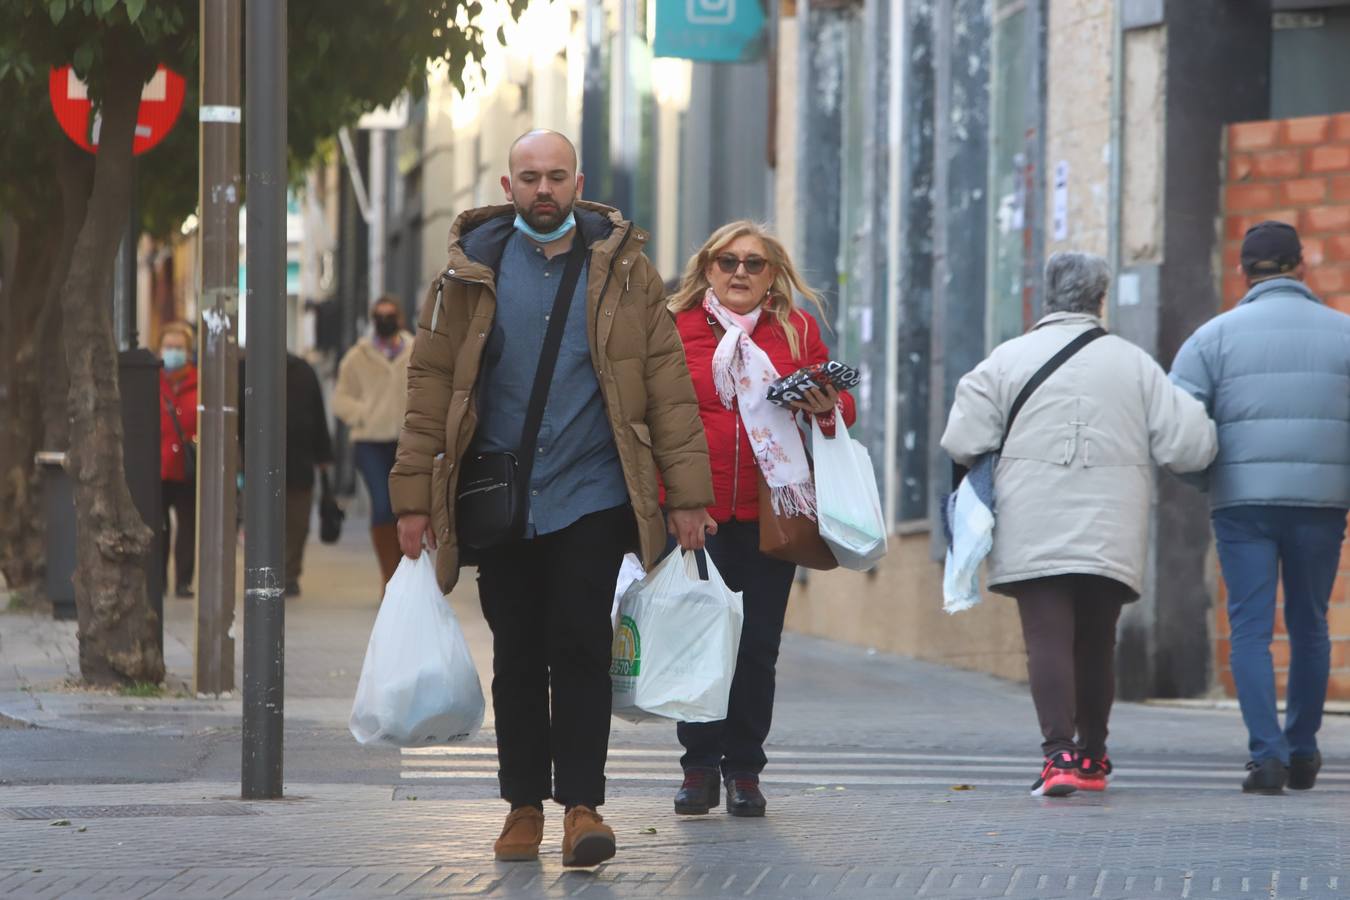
(521, 834)
(587, 840)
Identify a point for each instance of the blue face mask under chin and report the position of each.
(565, 226)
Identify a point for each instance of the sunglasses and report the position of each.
(729, 263)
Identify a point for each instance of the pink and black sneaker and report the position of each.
(1058, 778)
(1092, 774)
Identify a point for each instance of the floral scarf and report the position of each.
(742, 373)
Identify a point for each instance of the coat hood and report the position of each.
(478, 236)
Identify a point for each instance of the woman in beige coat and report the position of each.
(371, 397)
(1072, 492)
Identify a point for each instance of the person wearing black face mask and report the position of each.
(370, 398)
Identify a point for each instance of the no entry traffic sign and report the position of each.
(161, 102)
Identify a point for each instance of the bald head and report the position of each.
(543, 183)
(542, 142)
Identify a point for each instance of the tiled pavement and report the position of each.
(922, 841)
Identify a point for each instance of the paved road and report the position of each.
(866, 754)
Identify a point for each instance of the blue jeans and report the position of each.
(374, 460)
(1258, 545)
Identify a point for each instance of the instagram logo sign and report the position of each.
(710, 12)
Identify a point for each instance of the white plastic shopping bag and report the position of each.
(418, 684)
(848, 505)
(629, 572)
(676, 643)
(969, 520)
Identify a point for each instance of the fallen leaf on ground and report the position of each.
(82, 829)
(61, 822)
(649, 830)
(963, 787)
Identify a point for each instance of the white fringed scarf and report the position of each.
(742, 373)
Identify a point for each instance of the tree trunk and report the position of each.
(75, 176)
(21, 531)
(118, 629)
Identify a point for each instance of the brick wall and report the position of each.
(1295, 171)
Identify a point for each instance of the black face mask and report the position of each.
(386, 326)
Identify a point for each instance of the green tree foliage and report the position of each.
(343, 60)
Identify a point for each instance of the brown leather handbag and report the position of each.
(794, 539)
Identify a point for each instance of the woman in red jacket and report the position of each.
(178, 451)
(742, 330)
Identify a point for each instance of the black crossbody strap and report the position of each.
(1045, 372)
(172, 409)
(548, 357)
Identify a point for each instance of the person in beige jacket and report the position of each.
(1072, 492)
(371, 398)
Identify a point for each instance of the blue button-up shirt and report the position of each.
(576, 464)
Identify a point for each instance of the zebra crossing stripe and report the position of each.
(826, 767)
(468, 753)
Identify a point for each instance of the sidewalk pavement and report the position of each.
(888, 778)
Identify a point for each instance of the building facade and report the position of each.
(922, 158)
(975, 137)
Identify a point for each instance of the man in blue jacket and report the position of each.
(1274, 374)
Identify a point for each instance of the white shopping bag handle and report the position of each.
(819, 433)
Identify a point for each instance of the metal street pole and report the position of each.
(124, 274)
(265, 399)
(218, 456)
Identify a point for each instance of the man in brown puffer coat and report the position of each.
(620, 412)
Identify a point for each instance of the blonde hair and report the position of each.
(180, 328)
(786, 280)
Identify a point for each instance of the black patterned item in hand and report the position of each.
(792, 388)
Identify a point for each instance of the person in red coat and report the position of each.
(178, 452)
(742, 330)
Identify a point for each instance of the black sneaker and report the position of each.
(292, 589)
(698, 794)
(1058, 778)
(183, 592)
(1303, 771)
(744, 797)
(1265, 777)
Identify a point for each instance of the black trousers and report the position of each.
(736, 744)
(1069, 625)
(547, 600)
(181, 497)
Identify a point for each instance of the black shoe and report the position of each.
(744, 797)
(1303, 771)
(1265, 777)
(292, 589)
(183, 592)
(699, 793)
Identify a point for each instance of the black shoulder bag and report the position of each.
(492, 500)
(331, 513)
(1036, 380)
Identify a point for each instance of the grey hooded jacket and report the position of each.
(1274, 374)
